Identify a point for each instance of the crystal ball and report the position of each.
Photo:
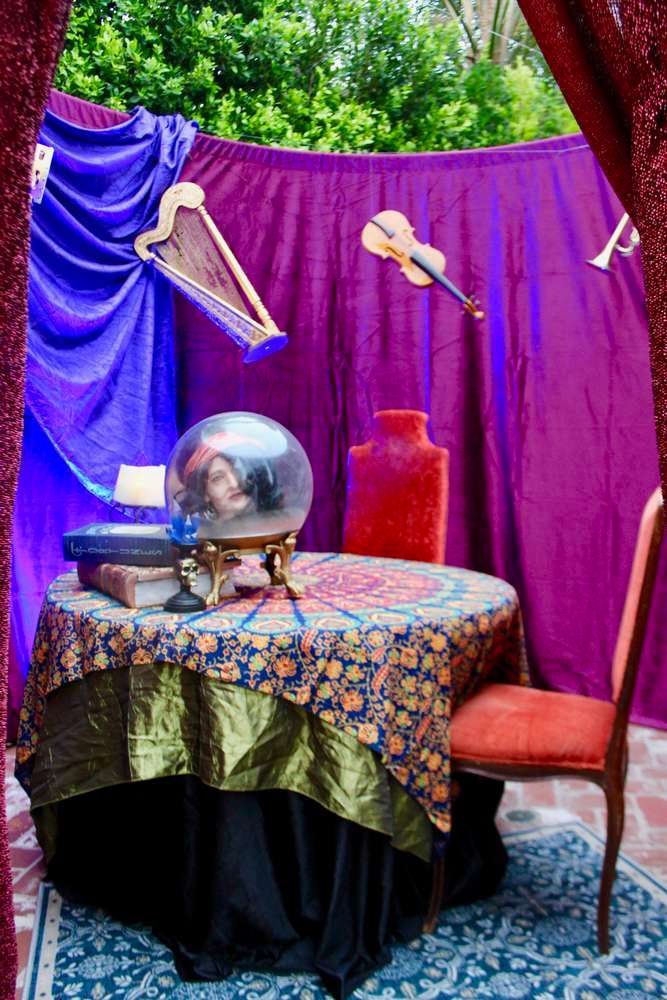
(237, 477)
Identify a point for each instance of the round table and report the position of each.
(377, 652)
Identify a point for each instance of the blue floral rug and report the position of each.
(535, 938)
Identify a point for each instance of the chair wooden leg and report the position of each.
(437, 890)
(615, 819)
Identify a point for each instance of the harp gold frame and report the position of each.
(258, 337)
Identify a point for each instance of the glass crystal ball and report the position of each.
(238, 477)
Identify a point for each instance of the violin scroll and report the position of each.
(472, 306)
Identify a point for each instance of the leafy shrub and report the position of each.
(347, 75)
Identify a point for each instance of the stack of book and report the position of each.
(132, 562)
(128, 544)
(137, 586)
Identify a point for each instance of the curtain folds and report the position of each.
(100, 386)
(100, 377)
(610, 59)
(27, 63)
(545, 406)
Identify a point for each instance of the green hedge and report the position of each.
(347, 75)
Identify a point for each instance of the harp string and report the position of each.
(190, 251)
(238, 324)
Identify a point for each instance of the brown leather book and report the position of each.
(141, 586)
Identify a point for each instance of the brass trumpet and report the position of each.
(604, 257)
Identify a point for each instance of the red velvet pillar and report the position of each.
(397, 489)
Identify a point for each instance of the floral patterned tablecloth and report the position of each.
(384, 649)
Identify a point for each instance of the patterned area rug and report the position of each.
(535, 939)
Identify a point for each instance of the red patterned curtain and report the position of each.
(31, 36)
(609, 58)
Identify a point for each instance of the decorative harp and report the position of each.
(189, 249)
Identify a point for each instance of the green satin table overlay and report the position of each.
(381, 650)
(156, 720)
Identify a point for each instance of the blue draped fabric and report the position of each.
(101, 386)
(100, 376)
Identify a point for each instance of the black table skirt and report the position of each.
(264, 880)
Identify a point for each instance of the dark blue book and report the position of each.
(129, 544)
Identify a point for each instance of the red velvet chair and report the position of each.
(522, 734)
(397, 489)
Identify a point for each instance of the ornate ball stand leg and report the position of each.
(184, 600)
(277, 565)
(220, 561)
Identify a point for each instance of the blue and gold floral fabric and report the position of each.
(382, 649)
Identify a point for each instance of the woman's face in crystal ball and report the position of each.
(223, 489)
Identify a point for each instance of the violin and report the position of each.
(390, 235)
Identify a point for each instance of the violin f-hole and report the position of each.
(389, 234)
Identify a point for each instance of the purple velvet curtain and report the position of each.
(609, 57)
(545, 405)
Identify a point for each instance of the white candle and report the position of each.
(140, 486)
